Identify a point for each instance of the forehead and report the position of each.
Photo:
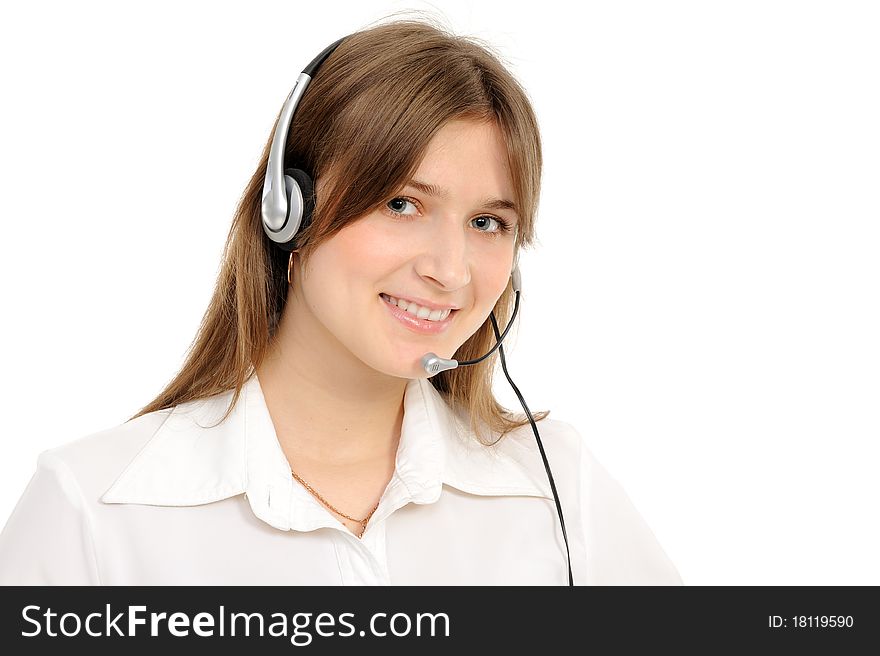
(467, 158)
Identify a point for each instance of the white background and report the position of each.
(703, 304)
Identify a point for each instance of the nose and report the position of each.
(445, 258)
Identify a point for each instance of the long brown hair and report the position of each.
(369, 113)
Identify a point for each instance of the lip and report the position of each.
(421, 326)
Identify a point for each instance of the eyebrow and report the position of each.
(440, 192)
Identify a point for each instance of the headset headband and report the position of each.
(285, 205)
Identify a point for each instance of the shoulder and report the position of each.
(562, 443)
(620, 547)
(93, 462)
(49, 538)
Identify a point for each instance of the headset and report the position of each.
(287, 208)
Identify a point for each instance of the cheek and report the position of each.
(366, 250)
(346, 260)
(496, 286)
(380, 241)
(487, 294)
(326, 284)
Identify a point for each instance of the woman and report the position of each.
(304, 440)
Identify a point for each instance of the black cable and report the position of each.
(498, 338)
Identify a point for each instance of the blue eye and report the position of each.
(399, 200)
(502, 225)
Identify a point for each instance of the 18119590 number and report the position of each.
(810, 622)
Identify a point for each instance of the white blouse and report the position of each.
(167, 499)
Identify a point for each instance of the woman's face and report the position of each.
(448, 250)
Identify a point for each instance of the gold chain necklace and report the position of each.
(362, 522)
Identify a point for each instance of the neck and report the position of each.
(327, 406)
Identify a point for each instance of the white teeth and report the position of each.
(417, 310)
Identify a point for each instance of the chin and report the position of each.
(397, 367)
(404, 361)
(413, 370)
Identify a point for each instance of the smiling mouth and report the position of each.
(432, 315)
(413, 322)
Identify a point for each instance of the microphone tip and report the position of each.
(429, 363)
(434, 364)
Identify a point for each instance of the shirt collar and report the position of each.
(191, 461)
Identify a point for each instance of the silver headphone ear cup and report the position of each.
(290, 226)
(301, 198)
(295, 204)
